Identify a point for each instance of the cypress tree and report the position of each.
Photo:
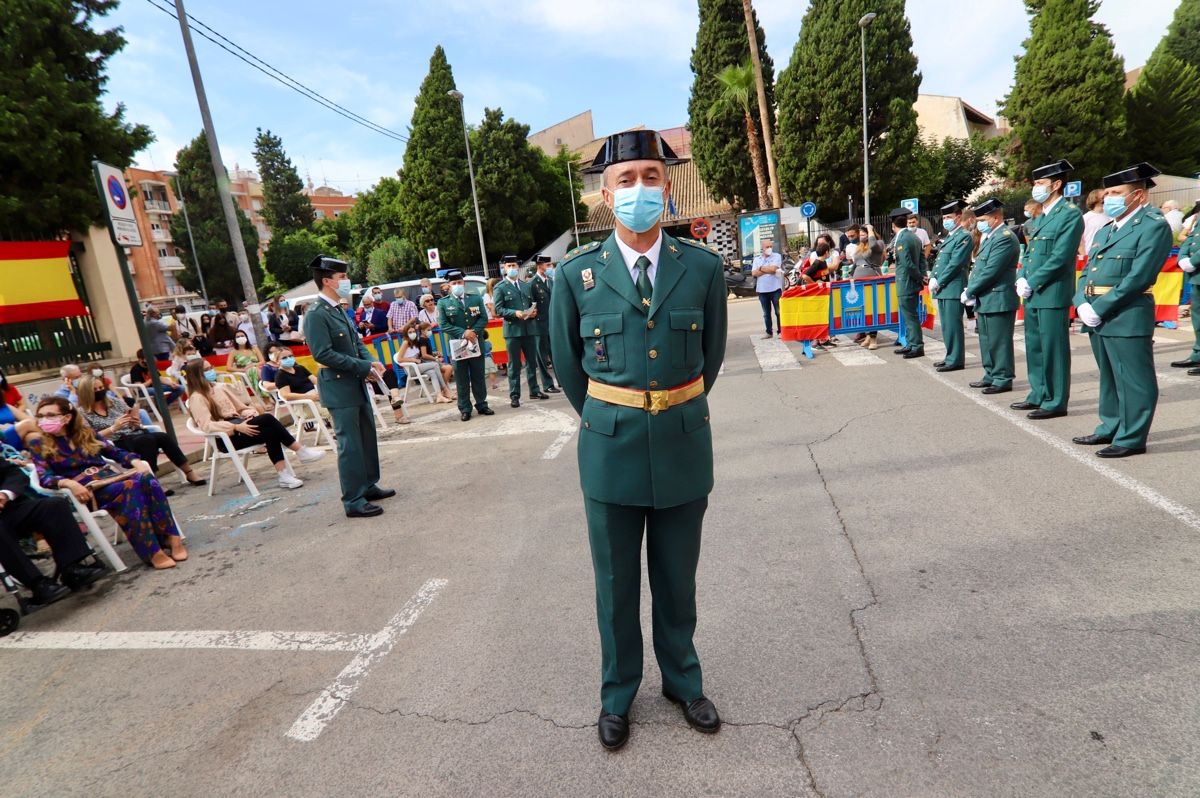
(434, 182)
(505, 177)
(285, 207)
(1067, 98)
(1183, 35)
(719, 145)
(1161, 110)
(819, 145)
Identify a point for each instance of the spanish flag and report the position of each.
(804, 313)
(35, 282)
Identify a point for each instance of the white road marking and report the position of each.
(1086, 457)
(1175, 379)
(325, 708)
(244, 641)
(851, 354)
(936, 350)
(1019, 342)
(773, 354)
(524, 422)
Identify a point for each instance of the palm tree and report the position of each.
(738, 91)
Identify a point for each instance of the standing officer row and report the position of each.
(514, 302)
(1189, 259)
(947, 281)
(990, 289)
(910, 279)
(541, 286)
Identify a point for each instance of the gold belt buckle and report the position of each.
(656, 401)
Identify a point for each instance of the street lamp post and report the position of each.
(862, 26)
(571, 189)
(458, 95)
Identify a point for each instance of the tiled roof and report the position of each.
(688, 191)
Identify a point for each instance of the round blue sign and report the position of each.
(117, 192)
(808, 210)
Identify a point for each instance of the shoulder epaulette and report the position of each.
(693, 243)
(580, 250)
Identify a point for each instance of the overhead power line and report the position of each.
(278, 75)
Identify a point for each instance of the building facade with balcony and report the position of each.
(156, 264)
(247, 191)
(328, 202)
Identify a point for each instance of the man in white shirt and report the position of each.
(1173, 215)
(767, 268)
(914, 224)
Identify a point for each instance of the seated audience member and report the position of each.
(70, 374)
(185, 350)
(415, 349)
(344, 304)
(292, 380)
(22, 512)
(269, 368)
(246, 359)
(215, 408)
(401, 312)
(69, 455)
(14, 422)
(113, 420)
(220, 335)
(427, 315)
(139, 374)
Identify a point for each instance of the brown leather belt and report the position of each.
(650, 401)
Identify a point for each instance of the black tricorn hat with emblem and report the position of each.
(452, 275)
(1138, 173)
(953, 206)
(544, 259)
(325, 266)
(1055, 169)
(899, 214)
(988, 206)
(510, 259)
(633, 145)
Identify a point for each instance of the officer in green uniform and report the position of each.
(514, 302)
(1114, 301)
(1189, 259)
(638, 329)
(910, 279)
(1046, 281)
(345, 364)
(542, 286)
(991, 289)
(947, 281)
(463, 315)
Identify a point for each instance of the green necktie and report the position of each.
(645, 287)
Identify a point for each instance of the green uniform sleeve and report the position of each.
(566, 346)
(1153, 247)
(499, 299)
(989, 272)
(1064, 250)
(318, 334)
(716, 328)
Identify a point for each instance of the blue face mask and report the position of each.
(550, 272)
(1114, 207)
(511, 272)
(983, 225)
(638, 208)
(283, 306)
(1041, 193)
(211, 375)
(949, 224)
(287, 362)
(344, 287)
(458, 290)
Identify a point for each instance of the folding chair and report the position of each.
(301, 411)
(138, 392)
(87, 516)
(414, 375)
(237, 456)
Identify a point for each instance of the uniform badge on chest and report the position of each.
(600, 352)
(589, 282)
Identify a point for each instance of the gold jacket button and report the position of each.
(653, 353)
(695, 326)
(587, 424)
(650, 324)
(596, 331)
(653, 383)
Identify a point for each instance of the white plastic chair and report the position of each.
(237, 456)
(414, 375)
(301, 411)
(137, 391)
(88, 517)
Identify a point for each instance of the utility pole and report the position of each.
(571, 188)
(764, 113)
(862, 26)
(191, 241)
(458, 95)
(214, 151)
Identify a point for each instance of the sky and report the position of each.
(541, 61)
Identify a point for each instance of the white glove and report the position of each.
(1088, 316)
(1024, 288)
(1186, 265)
(933, 285)
(969, 301)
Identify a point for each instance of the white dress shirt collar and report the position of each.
(1117, 225)
(631, 255)
(1047, 208)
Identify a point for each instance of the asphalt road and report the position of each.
(905, 589)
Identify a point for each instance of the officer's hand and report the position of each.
(1186, 265)
(378, 368)
(531, 313)
(3, 500)
(1024, 288)
(934, 285)
(1089, 316)
(470, 336)
(967, 300)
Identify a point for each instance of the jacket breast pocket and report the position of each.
(687, 329)
(603, 347)
(600, 418)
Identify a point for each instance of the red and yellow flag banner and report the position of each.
(1167, 289)
(35, 282)
(804, 313)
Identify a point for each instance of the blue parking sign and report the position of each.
(911, 204)
(1073, 188)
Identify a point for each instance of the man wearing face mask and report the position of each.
(1115, 302)
(542, 288)
(1189, 259)
(767, 269)
(463, 315)
(638, 330)
(990, 290)
(346, 363)
(1046, 281)
(910, 267)
(946, 282)
(515, 304)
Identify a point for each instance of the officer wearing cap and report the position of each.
(1113, 299)
(542, 287)
(1189, 259)
(346, 363)
(638, 329)
(990, 289)
(1046, 281)
(947, 281)
(463, 315)
(514, 302)
(910, 279)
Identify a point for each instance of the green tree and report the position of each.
(552, 187)
(738, 91)
(373, 219)
(1161, 113)
(953, 169)
(290, 254)
(213, 250)
(285, 208)
(719, 143)
(1067, 98)
(434, 182)
(1183, 35)
(53, 60)
(819, 145)
(337, 230)
(392, 260)
(505, 168)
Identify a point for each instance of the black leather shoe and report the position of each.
(700, 713)
(910, 354)
(939, 364)
(78, 576)
(1119, 451)
(48, 591)
(1194, 372)
(980, 384)
(1039, 415)
(995, 389)
(1091, 440)
(368, 511)
(614, 730)
(539, 396)
(902, 350)
(1185, 364)
(1024, 406)
(486, 411)
(466, 416)
(552, 389)
(949, 368)
(516, 402)
(380, 493)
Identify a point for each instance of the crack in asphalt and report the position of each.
(467, 721)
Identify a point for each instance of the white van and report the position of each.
(475, 285)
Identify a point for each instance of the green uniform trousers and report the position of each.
(1048, 357)
(1196, 322)
(950, 313)
(357, 453)
(996, 346)
(914, 336)
(672, 553)
(523, 348)
(543, 360)
(1128, 388)
(469, 380)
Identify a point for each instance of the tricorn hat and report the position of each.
(633, 145)
(323, 266)
(988, 206)
(1053, 169)
(510, 259)
(544, 259)
(899, 214)
(1138, 173)
(953, 206)
(453, 274)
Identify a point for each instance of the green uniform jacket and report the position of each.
(994, 278)
(541, 290)
(456, 316)
(1129, 261)
(1190, 248)
(1049, 263)
(337, 346)
(953, 260)
(909, 264)
(600, 329)
(508, 299)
